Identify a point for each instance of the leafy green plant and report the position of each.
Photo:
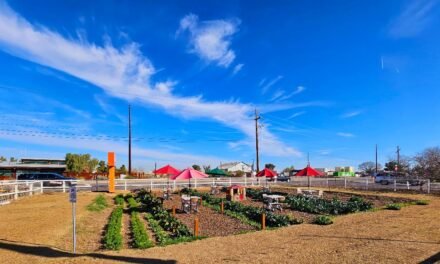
(113, 236)
(98, 204)
(140, 237)
(421, 202)
(132, 204)
(322, 206)
(119, 199)
(323, 220)
(393, 206)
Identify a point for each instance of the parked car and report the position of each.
(280, 178)
(49, 178)
(384, 178)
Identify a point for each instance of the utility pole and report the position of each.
(129, 140)
(376, 159)
(398, 158)
(257, 117)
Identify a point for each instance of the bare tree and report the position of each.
(369, 167)
(428, 163)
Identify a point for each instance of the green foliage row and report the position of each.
(421, 202)
(322, 206)
(140, 237)
(232, 214)
(98, 204)
(323, 220)
(393, 206)
(162, 237)
(132, 204)
(119, 200)
(113, 236)
(169, 223)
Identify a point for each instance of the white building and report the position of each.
(235, 166)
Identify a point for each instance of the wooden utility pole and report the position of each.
(129, 140)
(398, 158)
(257, 117)
(376, 159)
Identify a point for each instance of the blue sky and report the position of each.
(329, 78)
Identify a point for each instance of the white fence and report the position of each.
(10, 190)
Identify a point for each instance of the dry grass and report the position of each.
(406, 236)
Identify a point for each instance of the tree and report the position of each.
(269, 166)
(123, 169)
(102, 167)
(196, 167)
(428, 163)
(369, 167)
(206, 168)
(92, 164)
(289, 169)
(403, 168)
(80, 163)
(2, 159)
(239, 173)
(12, 159)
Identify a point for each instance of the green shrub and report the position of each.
(323, 220)
(119, 199)
(140, 237)
(113, 236)
(98, 204)
(162, 237)
(393, 206)
(132, 204)
(422, 202)
(322, 206)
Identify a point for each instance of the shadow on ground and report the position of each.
(375, 238)
(48, 252)
(433, 259)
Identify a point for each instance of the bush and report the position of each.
(140, 237)
(322, 206)
(422, 202)
(323, 220)
(113, 236)
(98, 204)
(393, 206)
(119, 200)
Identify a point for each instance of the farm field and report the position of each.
(38, 229)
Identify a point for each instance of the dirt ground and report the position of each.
(31, 228)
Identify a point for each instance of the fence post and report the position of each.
(64, 186)
(230, 181)
(345, 182)
(125, 185)
(263, 221)
(395, 185)
(366, 184)
(41, 187)
(16, 192)
(196, 226)
(174, 184)
(407, 185)
(327, 183)
(429, 185)
(31, 189)
(151, 184)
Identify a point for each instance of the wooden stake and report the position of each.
(174, 211)
(263, 221)
(196, 226)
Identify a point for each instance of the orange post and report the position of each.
(196, 226)
(111, 171)
(263, 221)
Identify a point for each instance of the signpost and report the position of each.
(72, 199)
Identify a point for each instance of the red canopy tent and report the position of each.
(309, 171)
(266, 173)
(168, 170)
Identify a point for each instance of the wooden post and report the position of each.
(196, 226)
(174, 211)
(222, 207)
(263, 221)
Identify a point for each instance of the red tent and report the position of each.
(188, 174)
(267, 172)
(309, 171)
(169, 170)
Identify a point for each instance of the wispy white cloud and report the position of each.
(351, 114)
(266, 85)
(210, 40)
(125, 73)
(298, 90)
(237, 68)
(297, 114)
(345, 134)
(413, 19)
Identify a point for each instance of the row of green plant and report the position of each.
(322, 206)
(232, 214)
(398, 206)
(140, 236)
(113, 236)
(119, 199)
(250, 212)
(163, 238)
(98, 204)
(132, 203)
(153, 205)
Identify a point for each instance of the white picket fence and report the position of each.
(10, 191)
